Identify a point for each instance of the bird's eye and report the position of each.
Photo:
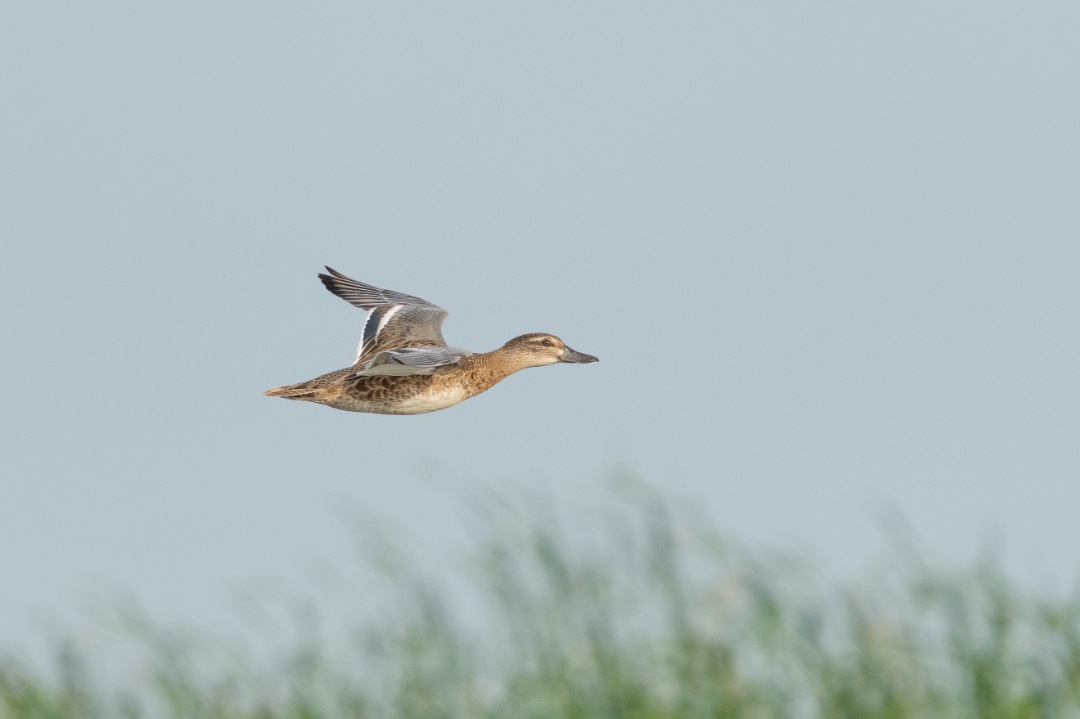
(546, 343)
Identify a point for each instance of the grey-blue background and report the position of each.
(827, 253)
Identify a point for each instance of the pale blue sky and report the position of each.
(828, 255)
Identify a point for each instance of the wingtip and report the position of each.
(333, 280)
(330, 281)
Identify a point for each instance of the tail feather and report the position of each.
(294, 391)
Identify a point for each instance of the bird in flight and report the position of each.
(404, 366)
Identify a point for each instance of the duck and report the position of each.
(404, 366)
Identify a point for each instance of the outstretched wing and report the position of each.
(412, 360)
(394, 320)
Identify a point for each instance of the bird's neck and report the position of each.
(487, 368)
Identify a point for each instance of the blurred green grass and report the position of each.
(634, 613)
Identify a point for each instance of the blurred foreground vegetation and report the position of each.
(641, 614)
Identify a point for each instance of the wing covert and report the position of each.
(412, 360)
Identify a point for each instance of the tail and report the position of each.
(292, 391)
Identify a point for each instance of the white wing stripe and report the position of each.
(386, 318)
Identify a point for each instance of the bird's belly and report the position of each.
(428, 400)
(431, 400)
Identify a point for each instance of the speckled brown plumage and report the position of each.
(388, 394)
